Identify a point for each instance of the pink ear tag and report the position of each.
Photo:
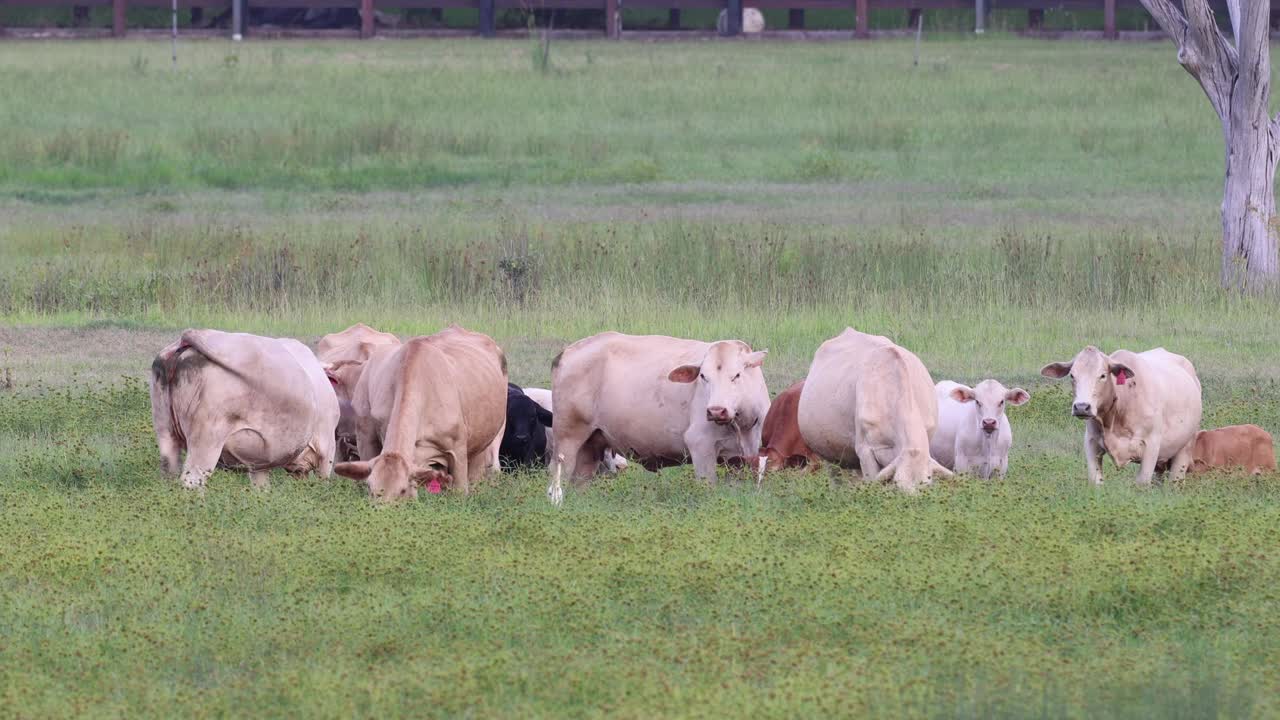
(1121, 377)
(433, 487)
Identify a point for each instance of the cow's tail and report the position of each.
(169, 434)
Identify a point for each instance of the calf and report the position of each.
(782, 446)
(1236, 446)
(973, 432)
(524, 442)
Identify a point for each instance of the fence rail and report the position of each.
(487, 10)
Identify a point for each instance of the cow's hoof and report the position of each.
(555, 495)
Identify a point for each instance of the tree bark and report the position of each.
(1236, 77)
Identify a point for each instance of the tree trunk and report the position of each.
(1236, 77)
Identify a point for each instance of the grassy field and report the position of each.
(994, 209)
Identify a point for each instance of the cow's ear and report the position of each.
(355, 470)
(962, 394)
(755, 359)
(1017, 396)
(1057, 371)
(1121, 372)
(544, 415)
(685, 374)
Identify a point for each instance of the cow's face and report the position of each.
(390, 476)
(1095, 377)
(728, 377)
(989, 398)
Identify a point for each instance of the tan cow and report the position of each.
(781, 444)
(868, 403)
(343, 355)
(430, 409)
(1235, 446)
(1136, 406)
(661, 400)
(242, 400)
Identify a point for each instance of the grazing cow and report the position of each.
(1235, 446)
(1136, 406)
(973, 432)
(524, 441)
(343, 355)
(660, 399)
(430, 409)
(613, 462)
(781, 445)
(868, 403)
(242, 401)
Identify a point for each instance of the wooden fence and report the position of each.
(487, 10)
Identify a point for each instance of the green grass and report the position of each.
(994, 209)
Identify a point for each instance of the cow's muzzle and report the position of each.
(719, 415)
(988, 426)
(1082, 410)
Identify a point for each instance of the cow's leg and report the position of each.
(261, 478)
(459, 467)
(1179, 463)
(1093, 450)
(1003, 466)
(867, 461)
(704, 451)
(1150, 456)
(367, 443)
(964, 463)
(202, 458)
(170, 449)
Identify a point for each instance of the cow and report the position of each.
(1236, 446)
(781, 445)
(343, 355)
(613, 462)
(1135, 406)
(241, 401)
(973, 433)
(660, 399)
(432, 409)
(524, 441)
(868, 403)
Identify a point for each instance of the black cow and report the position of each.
(524, 442)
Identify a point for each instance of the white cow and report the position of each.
(868, 403)
(752, 21)
(1136, 406)
(242, 401)
(662, 400)
(973, 432)
(613, 462)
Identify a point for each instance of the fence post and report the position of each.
(366, 19)
(732, 18)
(117, 18)
(979, 17)
(487, 18)
(1109, 20)
(864, 25)
(237, 19)
(795, 19)
(611, 19)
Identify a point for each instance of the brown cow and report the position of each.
(1236, 446)
(781, 445)
(431, 409)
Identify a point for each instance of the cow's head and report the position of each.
(390, 476)
(727, 379)
(989, 398)
(1095, 377)
(525, 437)
(343, 376)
